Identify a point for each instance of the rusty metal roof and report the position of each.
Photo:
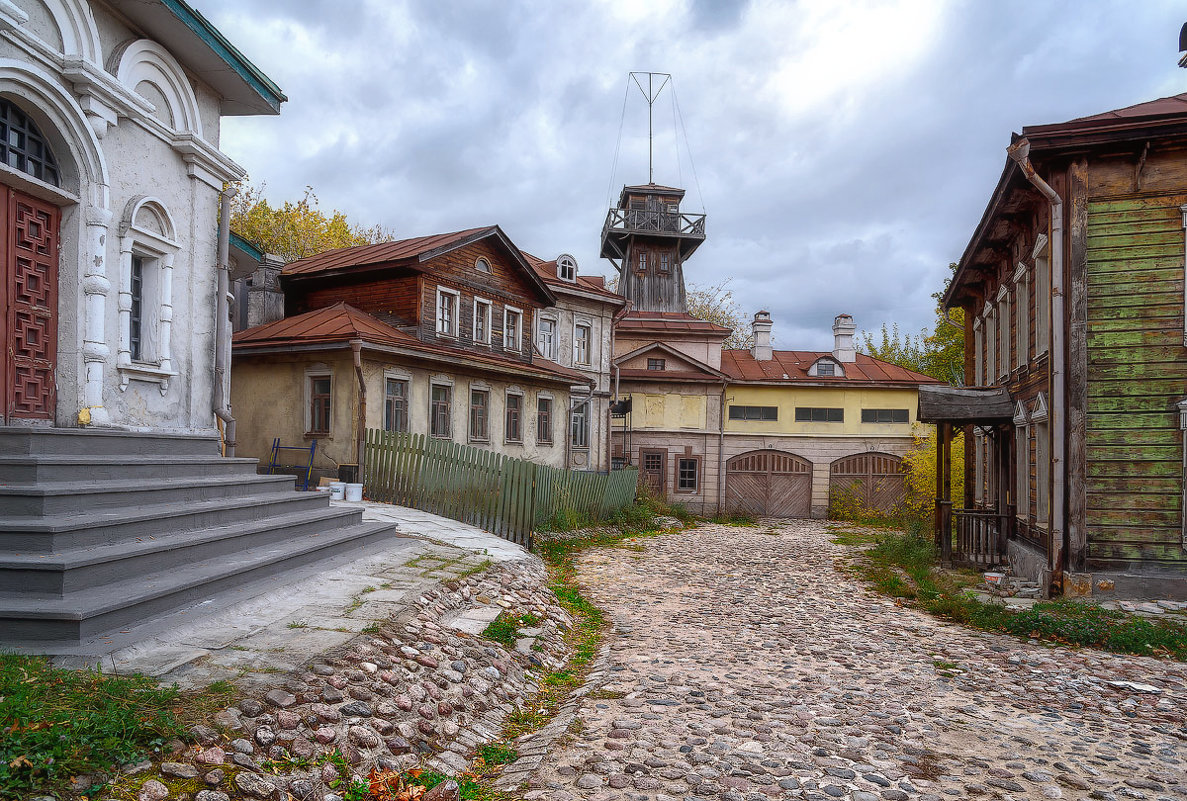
(594, 284)
(342, 323)
(1163, 106)
(400, 250)
(641, 321)
(792, 366)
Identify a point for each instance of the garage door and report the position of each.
(774, 483)
(876, 480)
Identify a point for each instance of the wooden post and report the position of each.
(946, 546)
(1076, 377)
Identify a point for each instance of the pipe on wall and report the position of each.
(1020, 153)
(222, 323)
(356, 350)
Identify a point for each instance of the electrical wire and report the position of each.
(618, 144)
(688, 148)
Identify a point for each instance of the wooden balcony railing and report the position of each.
(644, 220)
(980, 536)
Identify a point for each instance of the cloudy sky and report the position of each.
(843, 151)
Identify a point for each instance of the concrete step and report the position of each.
(49, 533)
(20, 441)
(66, 497)
(27, 470)
(77, 569)
(93, 611)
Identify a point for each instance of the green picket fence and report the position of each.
(506, 496)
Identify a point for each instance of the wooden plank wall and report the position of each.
(1136, 373)
(506, 496)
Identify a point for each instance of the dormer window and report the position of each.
(566, 267)
(482, 266)
(826, 368)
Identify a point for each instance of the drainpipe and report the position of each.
(721, 451)
(614, 321)
(1020, 153)
(222, 323)
(356, 349)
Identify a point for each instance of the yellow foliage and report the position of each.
(920, 463)
(296, 230)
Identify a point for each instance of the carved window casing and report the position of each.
(543, 420)
(1042, 434)
(1021, 461)
(513, 414)
(1021, 315)
(147, 251)
(547, 338)
(482, 321)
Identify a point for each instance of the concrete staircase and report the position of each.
(104, 529)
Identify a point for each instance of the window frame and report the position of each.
(41, 166)
(1021, 315)
(544, 420)
(566, 268)
(389, 410)
(890, 413)
(482, 311)
(754, 414)
(456, 304)
(680, 486)
(312, 397)
(447, 406)
(479, 428)
(517, 313)
(513, 417)
(481, 260)
(808, 414)
(548, 349)
(1042, 267)
(580, 443)
(580, 344)
(657, 365)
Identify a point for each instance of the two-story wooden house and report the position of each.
(1073, 291)
(431, 335)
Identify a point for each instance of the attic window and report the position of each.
(482, 266)
(655, 364)
(566, 267)
(826, 368)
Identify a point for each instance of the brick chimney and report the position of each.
(761, 328)
(843, 329)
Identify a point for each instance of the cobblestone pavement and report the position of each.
(743, 666)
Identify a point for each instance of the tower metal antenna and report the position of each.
(650, 94)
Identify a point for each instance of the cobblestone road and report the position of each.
(744, 666)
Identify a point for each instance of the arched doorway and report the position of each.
(29, 256)
(876, 480)
(769, 482)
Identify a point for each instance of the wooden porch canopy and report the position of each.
(955, 407)
(963, 406)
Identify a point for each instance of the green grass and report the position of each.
(903, 565)
(736, 517)
(504, 628)
(57, 724)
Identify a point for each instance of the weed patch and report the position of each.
(504, 628)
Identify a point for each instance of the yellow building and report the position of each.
(774, 432)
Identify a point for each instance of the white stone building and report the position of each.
(109, 120)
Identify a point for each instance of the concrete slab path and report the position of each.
(744, 666)
(274, 626)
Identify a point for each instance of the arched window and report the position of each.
(22, 146)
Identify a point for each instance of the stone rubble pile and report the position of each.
(423, 691)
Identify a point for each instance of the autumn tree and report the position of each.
(716, 303)
(937, 352)
(296, 230)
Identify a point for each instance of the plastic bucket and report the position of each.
(354, 492)
(337, 490)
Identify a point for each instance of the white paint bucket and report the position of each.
(354, 492)
(337, 490)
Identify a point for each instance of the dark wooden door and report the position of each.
(29, 307)
(652, 465)
(874, 479)
(768, 482)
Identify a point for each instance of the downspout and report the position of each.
(222, 323)
(356, 349)
(614, 321)
(1020, 153)
(721, 451)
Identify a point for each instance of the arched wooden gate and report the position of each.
(876, 480)
(769, 482)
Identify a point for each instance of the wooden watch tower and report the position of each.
(647, 239)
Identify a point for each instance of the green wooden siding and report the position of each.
(1137, 371)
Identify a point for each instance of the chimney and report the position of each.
(843, 328)
(761, 327)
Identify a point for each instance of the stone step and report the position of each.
(28, 470)
(50, 533)
(77, 569)
(65, 497)
(94, 611)
(20, 441)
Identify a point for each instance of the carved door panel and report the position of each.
(29, 308)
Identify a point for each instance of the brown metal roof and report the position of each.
(399, 250)
(1163, 106)
(342, 323)
(652, 188)
(641, 321)
(594, 284)
(792, 366)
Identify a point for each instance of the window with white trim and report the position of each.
(513, 413)
(448, 301)
(395, 404)
(1022, 315)
(440, 397)
(978, 355)
(566, 268)
(1042, 434)
(1021, 461)
(582, 337)
(990, 344)
(1003, 337)
(579, 428)
(547, 338)
(512, 326)
(481, 321)
(145, 306)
